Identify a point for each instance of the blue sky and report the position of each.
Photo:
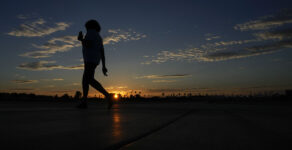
(214, 47)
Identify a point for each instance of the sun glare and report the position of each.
(116, 96)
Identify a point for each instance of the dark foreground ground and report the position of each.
(176, 125)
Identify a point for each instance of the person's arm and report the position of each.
(104, 70)
(85, 43)
(80, 36)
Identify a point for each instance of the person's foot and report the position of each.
(110, 101)
(82, 105)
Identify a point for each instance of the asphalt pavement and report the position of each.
(147, 125)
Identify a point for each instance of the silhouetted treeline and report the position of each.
(287, 97)
(33, 97)
(214, 99)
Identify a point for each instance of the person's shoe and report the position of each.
(82, 105)
(110, 101)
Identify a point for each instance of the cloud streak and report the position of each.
(266, 42)
(21, 89)
(210, 36)
(266, 22)
(275, 35)
(24, 81)
(181, 55)
(47, 65)
(164, 76)
(58, 79)
(230, 43)
(66, 43)
(212, 55)
(54, 45)
(118, 35)
(37, 28)
(163, 81)
(247, 52)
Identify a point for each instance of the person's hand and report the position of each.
(80, 36)
(104, 70)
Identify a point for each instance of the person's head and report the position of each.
(92, 24)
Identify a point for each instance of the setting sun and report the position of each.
(116, 96)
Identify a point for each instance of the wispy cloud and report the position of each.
(163, 81)
(229, 43)
(75, 84)
(211, 55)
(118, 35)
(47, 65)
(116, 87)
(266, 42)
(247, 52)
(58, 79)
(21, 89)
(37, 28)
(275, 35)
(54, 45)
(180, 55)
(66, 43)
(28, 16)
(122, 87)
(267, 22)
(53, 79)
(210, 36)
(271, 47)
(164, 76)
(24, 81)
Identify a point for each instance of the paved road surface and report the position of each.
(52, 125)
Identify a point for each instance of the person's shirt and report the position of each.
(92, 46)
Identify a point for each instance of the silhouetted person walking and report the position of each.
(93, 51)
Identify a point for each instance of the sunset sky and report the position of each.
(171, 46)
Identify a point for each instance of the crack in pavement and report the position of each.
(139, 137)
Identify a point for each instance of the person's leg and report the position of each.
(88, 79)
(95, 84)
(85, 81)
(85, 85)
(99, 87)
